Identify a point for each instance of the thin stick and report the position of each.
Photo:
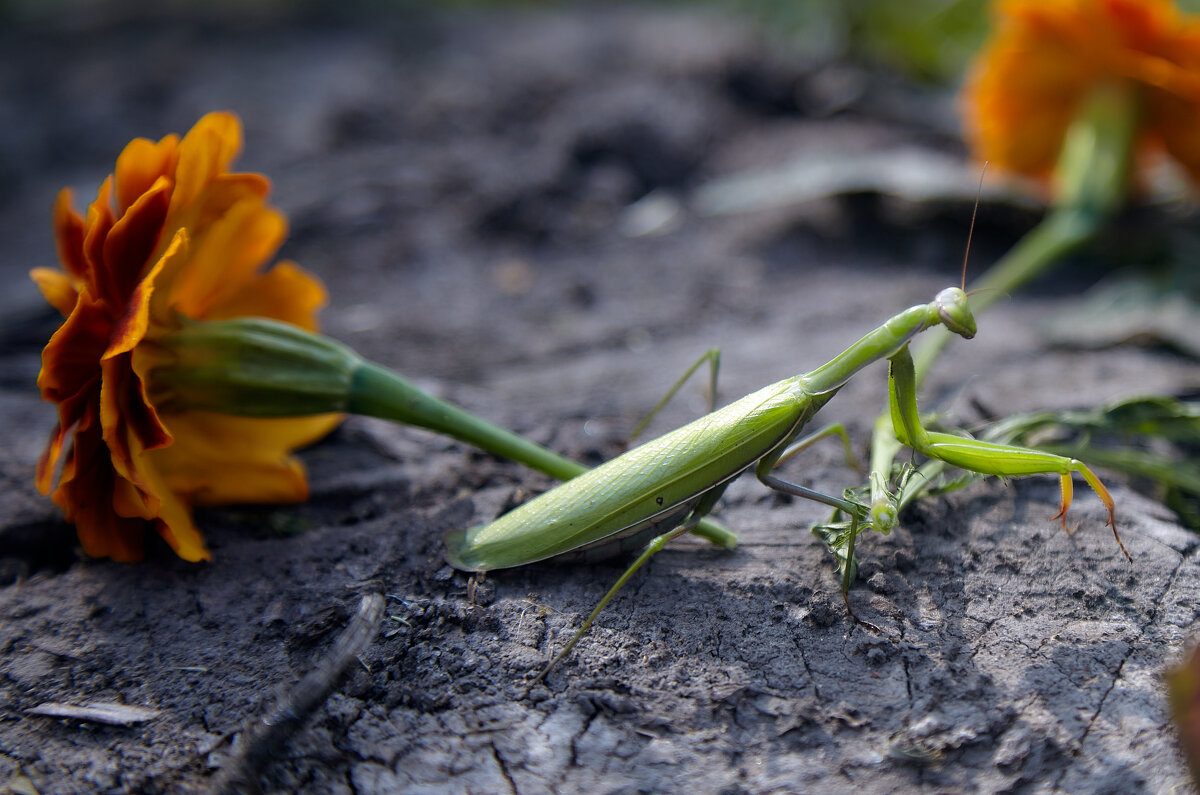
(260, 742)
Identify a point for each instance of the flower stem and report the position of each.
(378, 392)
(255, 367)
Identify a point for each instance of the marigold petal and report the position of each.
(1045, 58)
(73, 412)
(99, 221)
(1179, 125)
(131, 424)
(68, 236)
(71, 359)
(1141, 24)
(141, 163)
(110, 513)
(70, 377)
(209, 209)
(204, 153)
(85, 497)
(286, 292)
(1175, 114)
(226, 257)
(177, 528)
(57, 288)
(114, 387)
(216, 198)
(132, 502)
(44, 476)
(103, 534)
(1022, 96)
(132, 239)
(131, 328)
(48, 460)
(219, 459)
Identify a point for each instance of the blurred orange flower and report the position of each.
(1047, 56)
(172, 232)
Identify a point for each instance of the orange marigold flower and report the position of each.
(1047, 56)
(172, 232)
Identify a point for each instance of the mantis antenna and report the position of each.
(971, 230)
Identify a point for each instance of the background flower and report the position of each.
(172, 231)
(1045, 59)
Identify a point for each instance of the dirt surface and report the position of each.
(466, 186)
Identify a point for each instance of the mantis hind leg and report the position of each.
(709, 530)
(834, 429)
(654, 547)
(713, 357)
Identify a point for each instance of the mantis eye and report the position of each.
(955, 314)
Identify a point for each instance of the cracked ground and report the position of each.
(464, 186)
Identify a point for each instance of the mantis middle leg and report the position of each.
(857, 512)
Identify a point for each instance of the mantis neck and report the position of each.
(882, 343)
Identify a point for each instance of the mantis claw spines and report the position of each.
(1067, 492)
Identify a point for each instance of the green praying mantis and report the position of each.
(663, 488)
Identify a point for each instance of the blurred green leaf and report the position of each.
(1136, 310)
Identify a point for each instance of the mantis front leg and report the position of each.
(985, 457)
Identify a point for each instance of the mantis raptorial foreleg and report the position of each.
(799, 446)
(988, 458)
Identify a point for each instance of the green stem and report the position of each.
(378, 392)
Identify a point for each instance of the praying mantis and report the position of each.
(663, 488)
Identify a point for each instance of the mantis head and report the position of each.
(954, 313)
